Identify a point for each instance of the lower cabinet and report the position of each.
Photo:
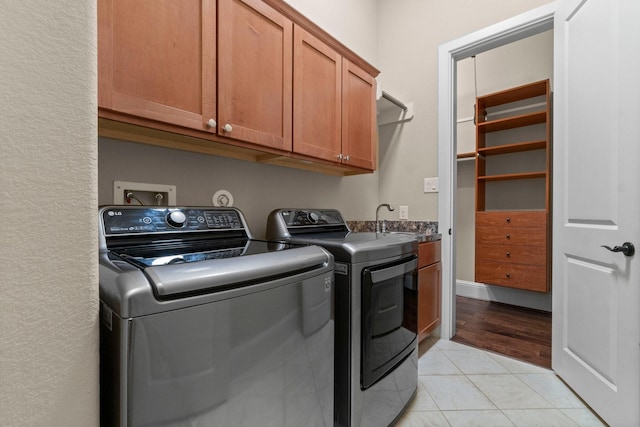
(429, 288)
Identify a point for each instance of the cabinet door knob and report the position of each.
(508, 254)
(211, 123)
(339, 156)
(508, 219)
(508, 274)
(508, 236)
(347, 158)
(227, 128)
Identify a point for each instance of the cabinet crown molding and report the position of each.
(301, 20)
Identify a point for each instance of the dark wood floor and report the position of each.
(517, 332)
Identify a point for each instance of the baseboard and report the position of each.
(504, 295)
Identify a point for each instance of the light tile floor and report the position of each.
(463, 386)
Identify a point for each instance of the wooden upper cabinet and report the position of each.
(317, 101)
(359, 130)
(334, 105)
(255, 45)
(218, 77)
(157, 60)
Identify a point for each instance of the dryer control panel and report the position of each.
(305, 217)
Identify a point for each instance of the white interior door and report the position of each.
(596, 293)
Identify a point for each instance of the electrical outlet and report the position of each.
(139, 193)
(403, 212)
(431, 185)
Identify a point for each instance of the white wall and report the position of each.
(410, 33)
(257, 188)
(353, 22)
(48, 273)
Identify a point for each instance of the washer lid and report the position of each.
(188, 251)
(182, 278)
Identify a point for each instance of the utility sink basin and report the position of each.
(420, 236)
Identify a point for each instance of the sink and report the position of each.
(420, 236)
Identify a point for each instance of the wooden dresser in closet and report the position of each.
(511, 249)
(513, 237)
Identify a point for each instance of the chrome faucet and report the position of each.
(386, 205)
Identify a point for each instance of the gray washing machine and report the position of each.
(376, 365)
(201, 325)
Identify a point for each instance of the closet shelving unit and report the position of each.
(513, 245)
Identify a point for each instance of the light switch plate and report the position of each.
(403, 212)
(431, 185)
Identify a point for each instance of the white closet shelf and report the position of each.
(391, 110)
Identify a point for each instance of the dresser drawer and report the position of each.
(536, 219)
(516, 254)
(511, 236)
(528, 277)
(428, 253)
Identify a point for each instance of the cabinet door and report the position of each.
(255, 45)
(359, 130)
(156, 60)
(429, 279)
(317, 102)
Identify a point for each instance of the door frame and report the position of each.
(519, 27)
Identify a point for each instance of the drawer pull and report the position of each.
(508, 275)
(508, 254)
(508, 219)
(508, 236)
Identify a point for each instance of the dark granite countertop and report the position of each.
(425, 231)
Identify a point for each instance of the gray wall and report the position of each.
(410, 32)
(257, 188)
(399, 37)
(48, 282)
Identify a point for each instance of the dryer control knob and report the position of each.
(176, 219)
(313, 217)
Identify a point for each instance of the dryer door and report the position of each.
(389, 326)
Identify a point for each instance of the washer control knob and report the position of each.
(313, 217)
(176, 219)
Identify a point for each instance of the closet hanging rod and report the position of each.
(393, 100)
